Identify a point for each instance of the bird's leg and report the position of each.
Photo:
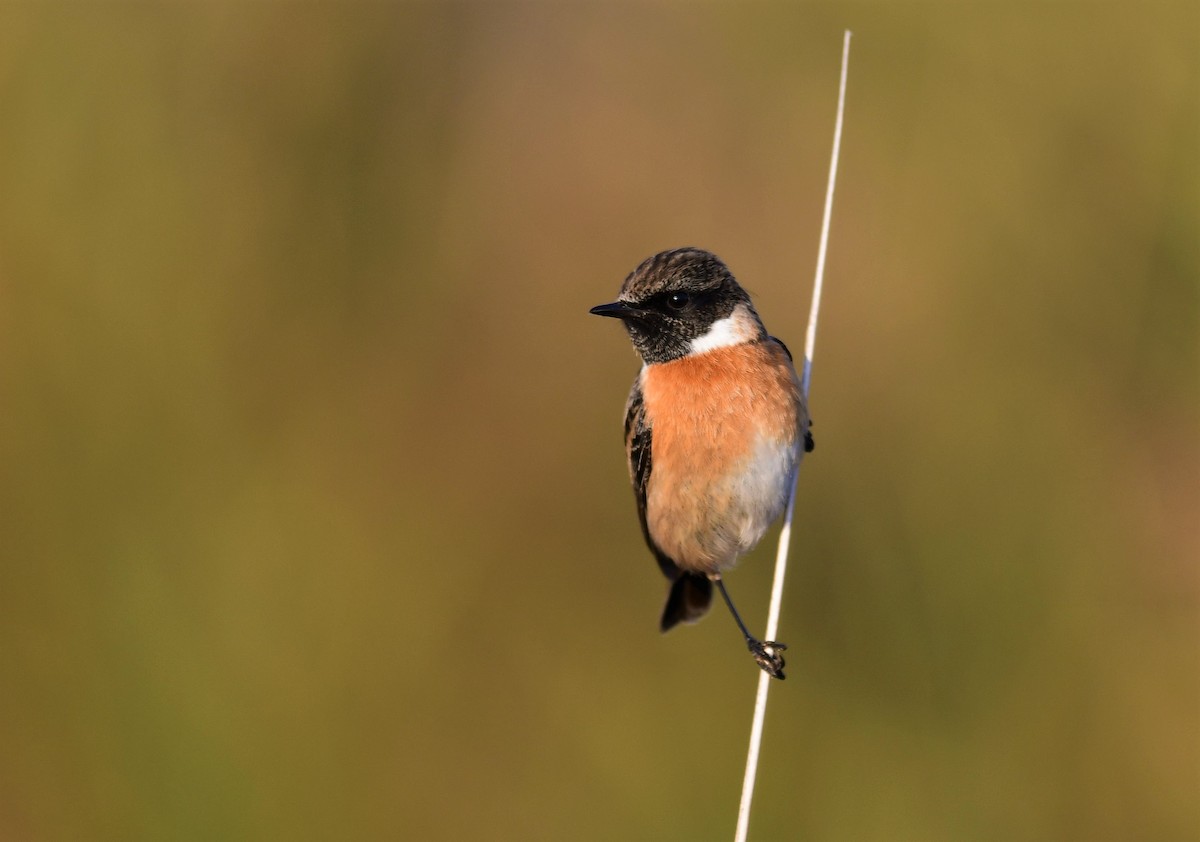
(765, 652)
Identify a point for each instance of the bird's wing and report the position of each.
(805, 420)
(637, 450)
(785, 348)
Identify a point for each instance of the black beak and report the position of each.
(617, 310)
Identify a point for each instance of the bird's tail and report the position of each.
(688, 601)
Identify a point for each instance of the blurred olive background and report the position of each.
(314, 521)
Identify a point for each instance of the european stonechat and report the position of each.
(715, 426)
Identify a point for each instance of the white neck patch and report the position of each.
(737, 328)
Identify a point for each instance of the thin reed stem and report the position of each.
(785, 535)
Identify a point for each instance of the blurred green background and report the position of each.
(314, 521)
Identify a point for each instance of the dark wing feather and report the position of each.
(637, 449)
(809, 444)
(785, 348)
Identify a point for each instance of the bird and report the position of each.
(716, 424)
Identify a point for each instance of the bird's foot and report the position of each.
(767, 655)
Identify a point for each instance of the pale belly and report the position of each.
(705, 523)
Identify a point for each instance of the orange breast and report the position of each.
(726, 431)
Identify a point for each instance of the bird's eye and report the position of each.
(678, 300)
